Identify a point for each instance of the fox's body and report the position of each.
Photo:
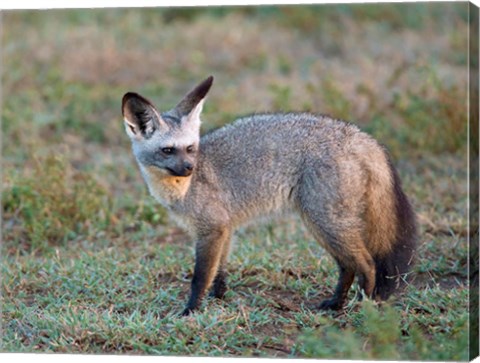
(336, 177)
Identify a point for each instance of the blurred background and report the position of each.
(397, 70)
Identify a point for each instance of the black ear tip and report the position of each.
(135, 100)
(204, 87)
(128, 96)
(206, 84)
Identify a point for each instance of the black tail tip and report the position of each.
(392, 270)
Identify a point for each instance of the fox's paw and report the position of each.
(219, 291)
(186, 312)
(331, 304)
(219, 287)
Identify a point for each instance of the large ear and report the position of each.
(141, 117)
(191, 105)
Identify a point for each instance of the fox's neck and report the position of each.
(166, 189)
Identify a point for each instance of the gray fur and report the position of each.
(335, 176)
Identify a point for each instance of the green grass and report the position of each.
(55, 203)
(122, 292)
(90, 263)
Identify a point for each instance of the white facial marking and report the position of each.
(185, 140)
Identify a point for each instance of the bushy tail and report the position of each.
(392, 266)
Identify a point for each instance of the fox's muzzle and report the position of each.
(184, 169)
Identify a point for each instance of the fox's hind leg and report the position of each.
(366, 272)
(349, 253)
(344, 282)
(351, 262)
(336, 223)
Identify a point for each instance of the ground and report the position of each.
(90, 263)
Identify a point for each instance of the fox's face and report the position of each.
(167, 142)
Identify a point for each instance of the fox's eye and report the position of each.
(167, 150)
(190, 149)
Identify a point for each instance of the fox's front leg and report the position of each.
(219, 287)
(208, 253)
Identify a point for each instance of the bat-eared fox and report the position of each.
(337, 178)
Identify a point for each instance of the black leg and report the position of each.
(198, 288)
(219, 285)
(338, 299)
(207, 260)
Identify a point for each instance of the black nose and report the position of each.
(181, 171)
(188, 166)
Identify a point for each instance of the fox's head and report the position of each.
(166, 141)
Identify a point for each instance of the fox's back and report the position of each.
(261, 140)
(259, 160)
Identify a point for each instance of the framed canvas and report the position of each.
(93, 264)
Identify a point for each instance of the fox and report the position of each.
(338, 179)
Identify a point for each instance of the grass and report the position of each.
(123, 294)
(91, 264)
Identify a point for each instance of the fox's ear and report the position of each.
(191, 105)
(140, 116)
